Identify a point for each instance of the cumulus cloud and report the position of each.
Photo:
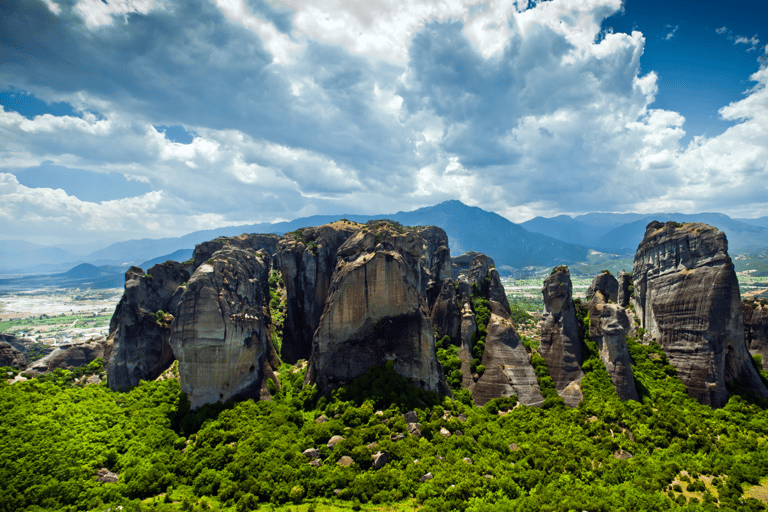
(297, 108)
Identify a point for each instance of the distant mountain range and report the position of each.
(538, 242)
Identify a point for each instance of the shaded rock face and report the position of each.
(755, 315)
(688, 299)
(72, 355)
(255, 242)
(445, 314)
(468, 328)
(606, 283)
(140, 336)
(624, 281)
(375, 313)
(560, 344)
(608, 327)
(307, 260)
(463, 263)
(508, 369)
(12, 353)
(478, 269)
(221, 332)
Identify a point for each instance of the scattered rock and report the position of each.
(316, 463)
(414, 429)
(333, 441)
(379, 459)
(345, 461)
(411, 417)
(424, 478)
(514, 447)
(467, 460)
(444, 432)
(321, 419)
(106, 476)
(311, 453)
(622, 455)
(398, 437)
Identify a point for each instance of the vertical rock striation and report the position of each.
(221, 332)
(688, 300)
(445, 314)
(560, 344)
(624, 283)
(376, 312)
(755, 314)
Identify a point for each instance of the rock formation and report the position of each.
(560, 344)
(141, 325)
(71, 355)
(376, 313)
(204, 251)
(688, 299)
(467, 329)
(306, 259)
(461, 264)
(608, 327)
(221, 332)
(624, 283)
(755, 312)
(12, 353)
(606, 283)
(445, 314)
(508, 369)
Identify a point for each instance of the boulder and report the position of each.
(71, 355)
(379, 459)
(376, 314)
(606, 283)
(140, 327)
(624, 281)
(755, 312)
(688, 299)
(306, 259)
(12, 352)
(560, 344)
(221, 334)
(333, 441)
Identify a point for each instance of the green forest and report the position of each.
(664, 452)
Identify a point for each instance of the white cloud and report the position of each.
(671, 33)
(96, 13)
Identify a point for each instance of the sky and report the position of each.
(127, 119)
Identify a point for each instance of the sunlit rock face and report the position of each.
(307, 260)
(606, 283)
(139, 334)
(756, 328)
(508, 369)
(71, 355)
(253, 242)
(560, 344)
(375, 312)
(688, 299)
(221, 331)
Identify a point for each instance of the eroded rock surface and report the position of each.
(462, 263)
(688, 300)
(221, 334)
(140, 328)
(306, 259)
(253, 242)
(606, 283)
(445, 314)
(12, 353)
(71, 355)
(755, 313)
(375, 312)
(560, 344)
(624, 281)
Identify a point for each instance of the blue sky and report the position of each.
(144, 119)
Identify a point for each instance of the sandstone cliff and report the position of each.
(140, 327)
(606, 283)
(755, 313)
(560, 344)
(306, 259)
(376, 311)
(461, 264)
(220, 334)
(12, 353)
(255, 242)
(624, 282)
(445, 314)
(688, 300)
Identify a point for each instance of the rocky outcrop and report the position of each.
(608, 327)
(560, 344)
(376, 313)
(12, 353)
(71, 355)
(478, 269)
(468, 328)
(624, 281)
(445, 314)
(306, 259)
(221, 333)
(253, 242)
(755, 312)
(606, 283)
(688, 299)
(140, 328)
(508, 369)
(461, 265)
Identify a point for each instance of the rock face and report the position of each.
(756, 327)
(624, 282)
(71, 355)
(606, 283)
(12, 353)
(221, 334)
(307, 260)
(560, 344)
(139, 331)
(508, 369)
(204, 251)
(608, 327)
(375, 312)
(468, 328)
(688, 299)
(463, 263)
(445, 314)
